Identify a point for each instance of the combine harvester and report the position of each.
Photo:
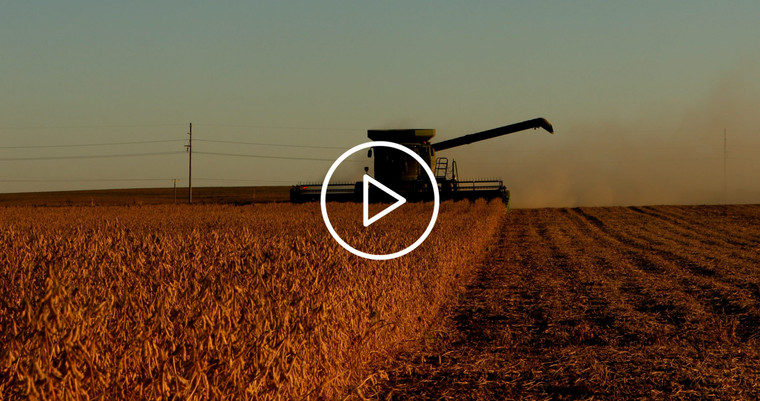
(404, 175)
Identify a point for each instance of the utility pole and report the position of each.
(725, 153)
(190, 166)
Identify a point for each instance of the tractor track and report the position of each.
(610, 303)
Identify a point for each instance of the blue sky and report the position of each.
(639, 92)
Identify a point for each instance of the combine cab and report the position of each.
(405, 176)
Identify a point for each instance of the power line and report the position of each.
(166, 141)
(135, 179)
(280, 127)
(83, 179)
(263, 156)
(270, 144)
(7, 159)
(89, 126)
(241, 180)
(89, 144)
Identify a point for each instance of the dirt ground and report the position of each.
(603, 303)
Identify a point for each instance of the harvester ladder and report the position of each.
(441, 168)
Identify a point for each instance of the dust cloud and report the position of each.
(665, 157)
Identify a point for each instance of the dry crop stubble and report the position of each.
(214, 301)
(602, 303)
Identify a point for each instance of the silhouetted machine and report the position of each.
(404, 175)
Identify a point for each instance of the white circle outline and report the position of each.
(343, 157)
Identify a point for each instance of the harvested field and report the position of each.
(603, 303)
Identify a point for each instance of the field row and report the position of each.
(602, 302)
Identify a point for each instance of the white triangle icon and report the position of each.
(400, 200)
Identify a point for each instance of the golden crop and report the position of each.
(253, 302)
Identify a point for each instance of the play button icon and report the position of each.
(400, 200)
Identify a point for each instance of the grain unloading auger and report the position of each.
(404, 175)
